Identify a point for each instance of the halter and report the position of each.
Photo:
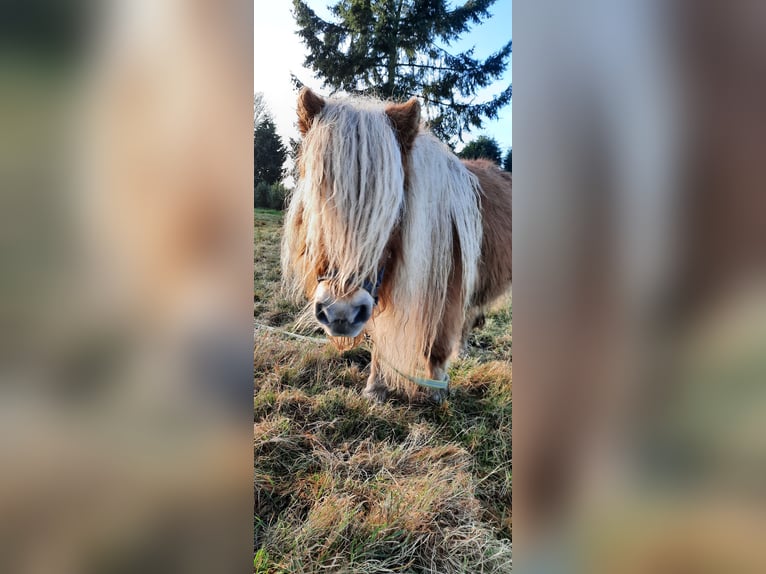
(368, 285)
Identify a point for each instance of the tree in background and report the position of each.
(269, 153)
(270, 196)
(482, 147)
(508, 161)
(260, 111)
(393, 49)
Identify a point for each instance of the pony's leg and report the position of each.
(439, 373)
(376, 389)
(438, 361)
(453, 328)
(474, 319)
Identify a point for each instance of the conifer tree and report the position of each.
(269, 153)
(508, 161)
(260, 111)
(396, 49)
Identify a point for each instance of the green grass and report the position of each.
(344, 486)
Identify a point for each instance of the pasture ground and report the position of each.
(345, 486)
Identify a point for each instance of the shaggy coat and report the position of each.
(378, 193)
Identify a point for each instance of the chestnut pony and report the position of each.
(389, 234)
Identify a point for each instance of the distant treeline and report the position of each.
(270, 195)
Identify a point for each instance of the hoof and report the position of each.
(376, 395)
(438, 396)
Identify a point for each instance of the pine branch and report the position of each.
(362, 49)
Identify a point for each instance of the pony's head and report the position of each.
(342, 222)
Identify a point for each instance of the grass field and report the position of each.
(344, 486)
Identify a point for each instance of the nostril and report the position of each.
(321, 314)
(362, 314)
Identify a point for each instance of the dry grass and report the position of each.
(343, 486)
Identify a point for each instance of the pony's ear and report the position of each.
(309, 105)
(406, 121)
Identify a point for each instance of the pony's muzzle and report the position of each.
(342, 316)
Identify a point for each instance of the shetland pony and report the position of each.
(389, 234)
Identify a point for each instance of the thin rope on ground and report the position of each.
(257, 325)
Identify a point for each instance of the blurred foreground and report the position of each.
(125, 369)
(640, 286)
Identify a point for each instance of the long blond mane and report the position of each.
(353, 194)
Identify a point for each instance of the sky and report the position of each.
(278, 52)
